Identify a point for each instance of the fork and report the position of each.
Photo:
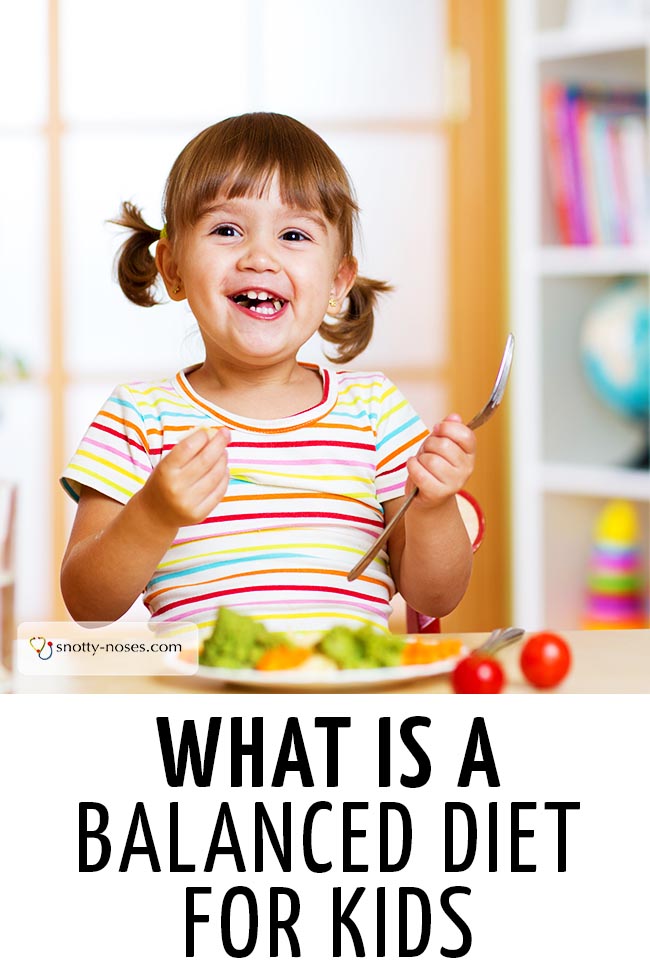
(498, 639)
(481, 417)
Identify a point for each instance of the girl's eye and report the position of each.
(225, 230)
(295, 235)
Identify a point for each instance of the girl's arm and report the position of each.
(111, 555)
(114, 549)
(430, 551)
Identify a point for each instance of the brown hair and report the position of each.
(238, 157)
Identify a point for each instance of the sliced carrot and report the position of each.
(419, 652)
(283, 658)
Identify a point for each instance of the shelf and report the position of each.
(595, 482)
(556, 45)
(596, 261)
(570, 450)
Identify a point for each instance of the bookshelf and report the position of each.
(570, 453)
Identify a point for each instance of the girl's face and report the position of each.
(258, 276)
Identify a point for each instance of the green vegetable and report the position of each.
(364, 647)
(238, 641)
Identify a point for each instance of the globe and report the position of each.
(615, 348)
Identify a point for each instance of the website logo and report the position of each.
(97, 649)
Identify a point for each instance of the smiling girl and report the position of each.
(252, 479)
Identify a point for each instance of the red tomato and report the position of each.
(545, 659)
(478, 674)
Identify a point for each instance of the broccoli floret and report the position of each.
(340, 644)
(238, 641)
(381, 649)
(364, 647)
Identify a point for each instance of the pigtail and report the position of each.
(352, 330)
(134, 265)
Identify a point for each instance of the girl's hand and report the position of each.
(443, 464)
(190, 481)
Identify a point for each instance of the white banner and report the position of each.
(379, 834)
(126, 649)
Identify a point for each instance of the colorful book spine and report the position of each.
(621, 200)
(635, 165)
(556, 130)
(573, 148)
(585, 121)
(605, 193)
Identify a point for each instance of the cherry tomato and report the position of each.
(545, 659)
(478, 674)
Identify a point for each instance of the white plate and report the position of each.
(325, 680)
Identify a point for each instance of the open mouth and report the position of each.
(259, 302)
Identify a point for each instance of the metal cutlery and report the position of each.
(497, 639)
(478, 420)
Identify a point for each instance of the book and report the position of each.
(621, 201)
(556, 132)
(635, 168)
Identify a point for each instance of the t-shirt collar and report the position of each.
(293, 422)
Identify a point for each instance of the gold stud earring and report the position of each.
(332, 303)
(177, 289)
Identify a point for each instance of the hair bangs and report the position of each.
(239, 157)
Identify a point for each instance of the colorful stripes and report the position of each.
(304, 499)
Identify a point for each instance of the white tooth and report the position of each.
(251, 294)
(277, 304)
(262, 295)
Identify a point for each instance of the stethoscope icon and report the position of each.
(45, 650)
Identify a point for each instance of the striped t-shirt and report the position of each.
(303, 504)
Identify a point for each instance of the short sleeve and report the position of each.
(113, 457)
(400, 431)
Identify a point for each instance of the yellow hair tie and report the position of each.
(163, 232)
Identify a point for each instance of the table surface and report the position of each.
(604, 662)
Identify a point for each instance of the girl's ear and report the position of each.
(344, 279)
(168, 270)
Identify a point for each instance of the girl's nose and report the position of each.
(259, 255)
